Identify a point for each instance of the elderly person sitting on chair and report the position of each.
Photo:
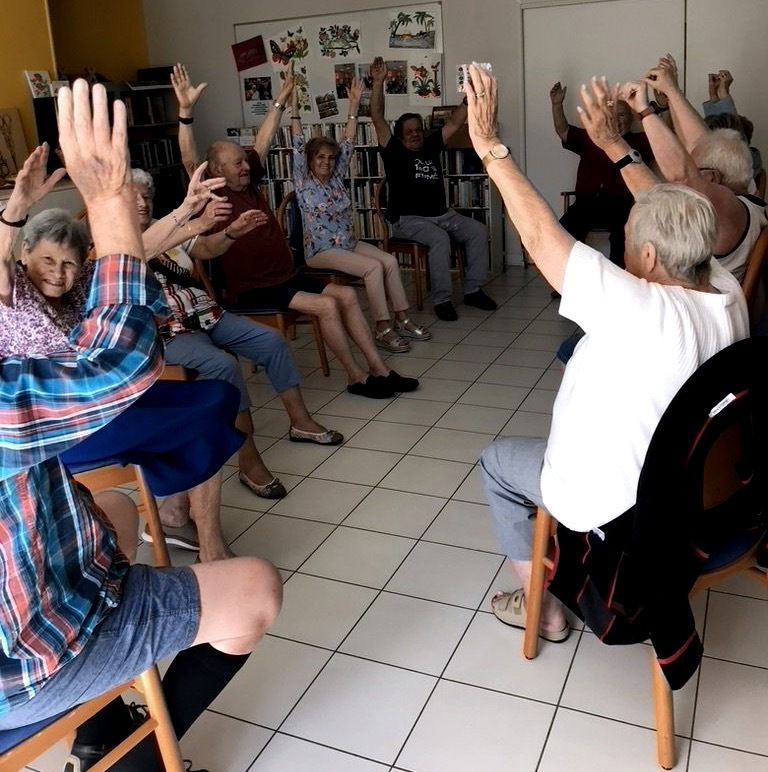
(647, 328)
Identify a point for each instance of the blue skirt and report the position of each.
(180, 434)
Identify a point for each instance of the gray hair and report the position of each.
(141, 177)
(680, 223)
(57, 226)
(726, 151)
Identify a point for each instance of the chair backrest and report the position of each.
(380, 205)
(755, 282)
(289, 216)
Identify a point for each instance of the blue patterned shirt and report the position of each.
(325, 207)
(60, 570)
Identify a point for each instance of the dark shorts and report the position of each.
(279, 296)
(158, 615)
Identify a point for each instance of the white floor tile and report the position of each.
(494, 395)
(323, 500)
(361, 707)
(271, 681)
(413, 366)
(465, 352)
(426, 475)
(354, 465)
(298, 458)
(711, 758)
(420, 412)
(352, 406)
(383, 435)
(521, 357)
(474, 418)
(731, 696)
(396, 512)
(562, 328)
(603, 676)
(462, 524)
(408, 632)
(448, 574)
(314, 399)
(289, 754)
(234, 522)
(539, 401)
(362, 557)
(472, 488)
(511, 375)
(524, 424)
(584, 743)
(490, 655)
(452, 445)
(737, 629)
(465, 728)
(437, 390)
(235, 494)
(457, 371)
(344, 424)
(270, 423)
(743, 585)
(285, 541)
(529, 340)
(220, 742)
(320, 611)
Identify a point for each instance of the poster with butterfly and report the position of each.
(291, 44)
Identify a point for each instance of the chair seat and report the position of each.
(10, 738)
(732, 551)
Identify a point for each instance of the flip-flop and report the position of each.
(509, 608)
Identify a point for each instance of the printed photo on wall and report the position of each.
(39, 83)
(425, 76)
(327, 106)
(291, 44)
(411, 29)
(249, 53)
(12, 135)
(364, 74)
(339, 40)
(257, 89)
(396, 81)
(343, 74)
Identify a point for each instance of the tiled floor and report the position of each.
(385, 656)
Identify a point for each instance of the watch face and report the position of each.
(499, 151)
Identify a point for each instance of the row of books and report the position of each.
(276, 192)
(369, 163)
(467, 193)
(367, 224)
(154, 153)
(143, 110)
(462, 162)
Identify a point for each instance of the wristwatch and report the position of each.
(652, 109)
(632, 157)
(496, 153)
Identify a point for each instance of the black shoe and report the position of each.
(400, 383)
(374, 387)
(446, 311)
(480, 300)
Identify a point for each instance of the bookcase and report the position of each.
(468, 188)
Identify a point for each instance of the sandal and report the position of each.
(509, 608)
(274, 489)
(173, 539)
(415, 332)
(390, 341)
(328, 437)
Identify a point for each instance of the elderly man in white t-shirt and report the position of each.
(648, 328)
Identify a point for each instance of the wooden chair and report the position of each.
(20, 747)
(411, 255)
(725, 463)
(755, 282)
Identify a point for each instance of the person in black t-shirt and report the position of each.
(417, 207)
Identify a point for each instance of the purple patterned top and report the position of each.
(325, 208)
(31, 326)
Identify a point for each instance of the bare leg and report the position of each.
(297, 411)
(552, 613)
(248, 458)
(204, 509)
(174, 510)
(124, 516)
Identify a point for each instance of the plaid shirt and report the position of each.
(60, 570)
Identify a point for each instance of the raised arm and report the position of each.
(269, 126)
(216, 244)
(187, 96)
(380, 125)
(355, 91)
(455, 122)
(178, 226)
(31, 185)
(545, 239)
(557, 97)
(599, 117)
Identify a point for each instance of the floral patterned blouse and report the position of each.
(31, 326)
(325, 208)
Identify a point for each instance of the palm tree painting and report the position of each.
(412, 30)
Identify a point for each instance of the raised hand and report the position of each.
(713, 79)
(557, 93)
(598, 112)
(635, 94)
(217, 210)
(246, 222)
(355, 91)
(289, 84)
(663, 77)
(482, 106)
(200, 191)
(31, 184)
(378, 70)
(725, 79)
(186, 94)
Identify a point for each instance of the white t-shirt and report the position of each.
(643, 340)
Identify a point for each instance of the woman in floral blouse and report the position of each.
(319, 167)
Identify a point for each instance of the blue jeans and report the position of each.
(511, 470)
(205, 352)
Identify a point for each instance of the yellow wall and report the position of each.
(24, 45)
(107, 35)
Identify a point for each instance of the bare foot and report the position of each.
(174, 510)
(210, 553)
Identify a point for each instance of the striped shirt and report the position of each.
(60, 570)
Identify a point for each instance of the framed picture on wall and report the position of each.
(39, 82)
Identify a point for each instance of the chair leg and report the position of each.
(150, 686)
(419, 273)
(664, 716)
(152, 519)
(534, 595)
(317, 334)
